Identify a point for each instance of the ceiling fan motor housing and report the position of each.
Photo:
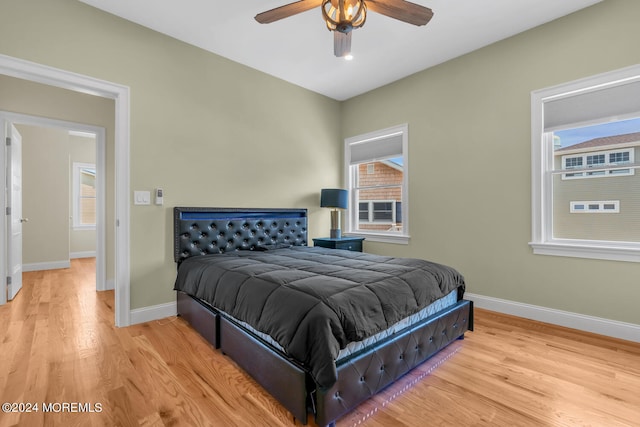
(344, 15)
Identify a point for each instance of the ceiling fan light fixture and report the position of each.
(344, 15)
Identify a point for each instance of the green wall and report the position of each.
(35, 99)
(209, 131)
(470, 161)
(212, 132)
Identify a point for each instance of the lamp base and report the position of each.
(335, 232)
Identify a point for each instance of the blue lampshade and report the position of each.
(333, 198)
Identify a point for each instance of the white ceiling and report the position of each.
(299, 49)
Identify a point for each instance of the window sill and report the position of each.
(83, 227)
(612, 251)
(384, 238)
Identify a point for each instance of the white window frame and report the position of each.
(351, 217)
(542, 241)
(76, 224)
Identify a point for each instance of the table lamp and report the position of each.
(336, 199)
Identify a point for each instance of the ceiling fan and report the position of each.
(343, 16)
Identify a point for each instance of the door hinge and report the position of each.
(8, 141)
(8, 211)
(8, 280)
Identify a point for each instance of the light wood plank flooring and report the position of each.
(58, 345)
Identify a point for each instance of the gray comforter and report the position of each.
(314, 301)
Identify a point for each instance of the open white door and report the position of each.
(14, 211)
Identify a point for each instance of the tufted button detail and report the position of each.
(431, 339)
(401, 356)
(209, 235)
(382, 367)
(337, 395)
(362, 379)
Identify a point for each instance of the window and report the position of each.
(612, 206)
(84, 196)
(376, 171)
(597, 163)
(381, 212)
(585, 189)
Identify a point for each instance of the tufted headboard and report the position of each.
(202, 231)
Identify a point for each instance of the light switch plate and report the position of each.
(142, 197)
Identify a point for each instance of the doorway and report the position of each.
(37, 73)
(53, 235)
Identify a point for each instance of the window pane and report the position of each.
(603, 204)
(597, 159)
(363, 211)
(383, 211)
(573, 162)
(88, 211)
(379, 195)
(84, 191)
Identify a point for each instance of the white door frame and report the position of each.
(38, 73)
(23, 119)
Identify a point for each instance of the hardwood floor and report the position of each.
(58, 346)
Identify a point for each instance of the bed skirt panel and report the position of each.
(281, 377)
(365, 375)
(201, 317)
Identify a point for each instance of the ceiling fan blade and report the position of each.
(402, 10)
(286, 11)
(341, 43)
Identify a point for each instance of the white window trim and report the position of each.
(351, 216)
(77, 166)
(542, 241)
(370, 210)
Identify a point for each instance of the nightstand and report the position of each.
(347, 243)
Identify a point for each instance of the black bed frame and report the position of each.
(201, 231)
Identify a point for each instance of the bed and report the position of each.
(286, 313)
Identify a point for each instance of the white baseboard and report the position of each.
(597, 325)
(154, 312)
(51, 265)
(84, 254)
(109, 285)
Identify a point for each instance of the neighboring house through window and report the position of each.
(376, 171)
(586, 192)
